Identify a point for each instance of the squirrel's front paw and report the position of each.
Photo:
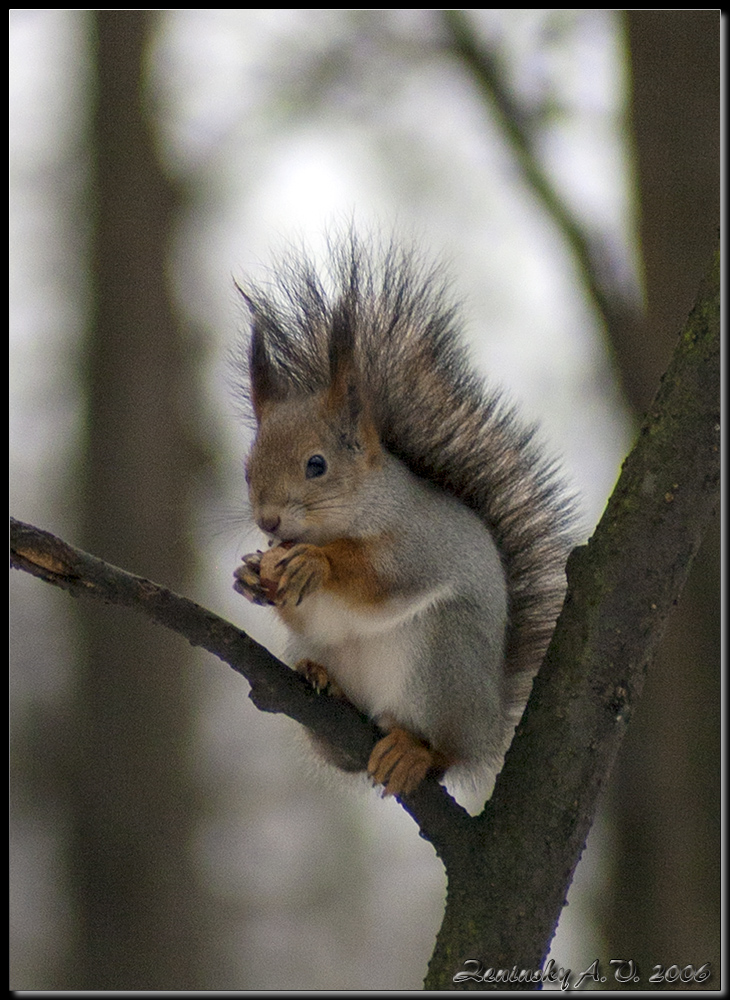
(400, 762)
(304, 569)
(248, 580)
(257, 579)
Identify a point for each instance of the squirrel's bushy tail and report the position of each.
(431, 410)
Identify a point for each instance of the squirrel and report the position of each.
(418, 534)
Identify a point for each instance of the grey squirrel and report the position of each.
(418, 535)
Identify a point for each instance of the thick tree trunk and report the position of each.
(665, 901)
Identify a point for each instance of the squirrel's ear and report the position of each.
(266, 383)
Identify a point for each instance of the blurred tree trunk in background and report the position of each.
(139, 913)
(665, 899)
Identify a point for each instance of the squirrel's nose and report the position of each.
(269, 523)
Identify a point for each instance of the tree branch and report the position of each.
(274, 686)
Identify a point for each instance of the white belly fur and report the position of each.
(371, 655)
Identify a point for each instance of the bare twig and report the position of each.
(483, 65)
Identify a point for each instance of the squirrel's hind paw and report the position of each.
(318, 677)
(400, 762)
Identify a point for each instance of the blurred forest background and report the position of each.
(164, 834)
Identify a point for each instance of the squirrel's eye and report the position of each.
(316, 466)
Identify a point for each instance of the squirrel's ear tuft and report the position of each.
(267, 386)
(341, 341)
(345, 396)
